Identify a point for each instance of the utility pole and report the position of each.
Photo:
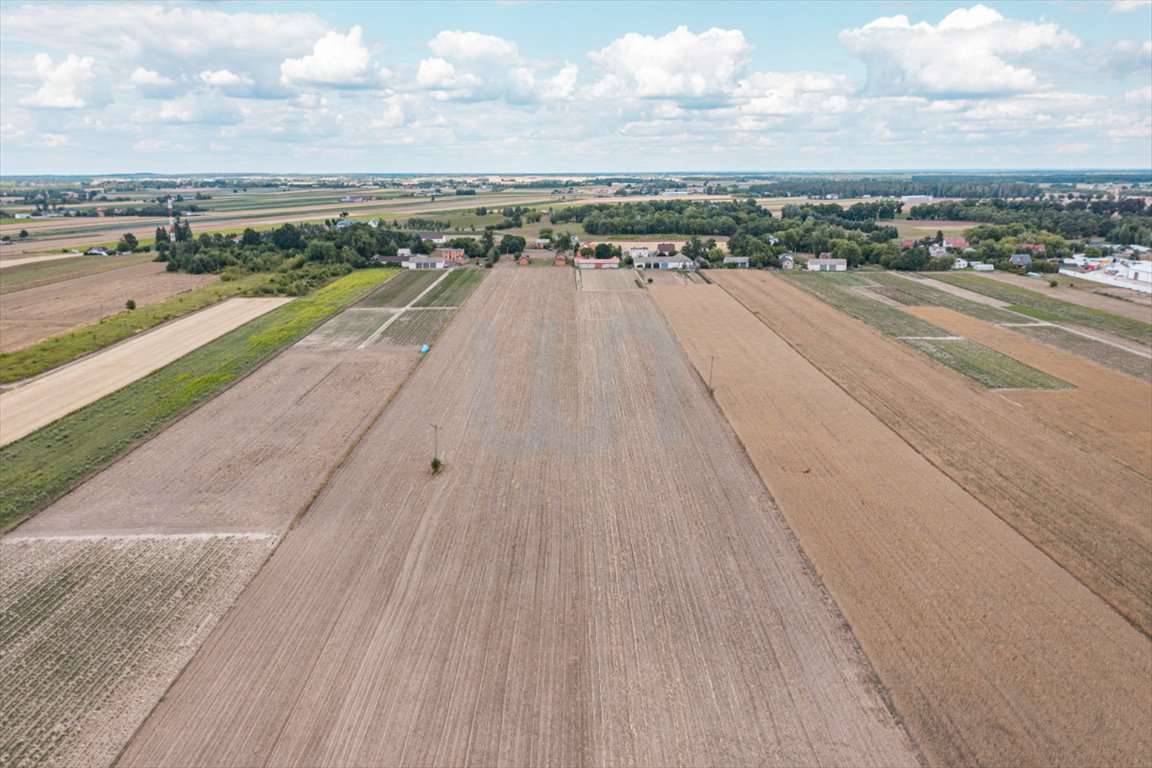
(711, 363)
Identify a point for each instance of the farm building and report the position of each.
(827, 265)
(405, 252)
(543, 242)
(739, 262)
(787, 261)
(455, 255)
(1021, 259)
(425, 262)
(583, 263)
(981, 266)
(666, 248)
(523, 260)
(437, 238)
(960, 264)
(666, 262)
(559, 260)
(638, 252)
(396, 260)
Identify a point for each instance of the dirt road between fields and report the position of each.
(41, 401)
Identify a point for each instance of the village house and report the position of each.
(455, 255)
(824, 264)
(679, 261)
(437, 238)
(787, 261)
(666, 248)
(425, 262)
(1021, 260)
(738, 262)
(638, 252)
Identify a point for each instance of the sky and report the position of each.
(508, 86)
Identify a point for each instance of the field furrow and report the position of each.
(597, 576)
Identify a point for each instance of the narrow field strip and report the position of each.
(970, 627)
(885, 312)
(31, 276)
(38, 468)
(40, 402)
(94, 630)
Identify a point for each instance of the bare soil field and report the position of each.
(590, 579)
(35, 314)
(606, 279)
(1118, 358)
(246, 462)
(43, 400)
(1093, 523)
(1108, 411)
(347, 330)
(95, 629)
(991, 653)
(20, 278)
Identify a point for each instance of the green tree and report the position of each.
(23, 234)
(250, 237)
(127, 243)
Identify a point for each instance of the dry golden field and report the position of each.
(991, 652)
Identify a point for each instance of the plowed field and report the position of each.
(1095, 524)
(248, 461)
(35, 314)
(596, 577)
(992, 653)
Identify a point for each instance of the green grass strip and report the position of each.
(66, 347)
(986, 366)
(39, 468)
(454, 289)
(1054, 310)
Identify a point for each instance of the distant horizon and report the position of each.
(352, 174)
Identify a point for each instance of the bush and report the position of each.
(437, 465)
(130, 304)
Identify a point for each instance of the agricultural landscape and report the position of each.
(892, 515)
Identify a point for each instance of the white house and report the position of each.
(981, 266)
(679, 261)
(827, 265)
(405, 252)
(638, 252)
(739, 262)
(787, 261)
(960, 264)
(439, 239)
(426, 262)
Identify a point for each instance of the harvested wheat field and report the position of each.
(1108, 411)
(592, 578)
(606, 279)
(95, 629)
(41, 401)
(1119, 301)
(991, 653)
(1093, 523)
(35, 314)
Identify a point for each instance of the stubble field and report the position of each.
(991, 652)
(591, 579)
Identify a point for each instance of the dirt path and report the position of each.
(1108, 411)
(35, 314)
(41, 401)
(1095, 524)
(992, 653)
(597, 577)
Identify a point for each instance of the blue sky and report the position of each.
(570, 87)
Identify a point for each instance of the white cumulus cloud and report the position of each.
(336, 60)
(141, 76)
(680, 64)
(63, 85)
(967, 53)
(223, 77)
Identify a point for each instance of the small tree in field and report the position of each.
(130, 304)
